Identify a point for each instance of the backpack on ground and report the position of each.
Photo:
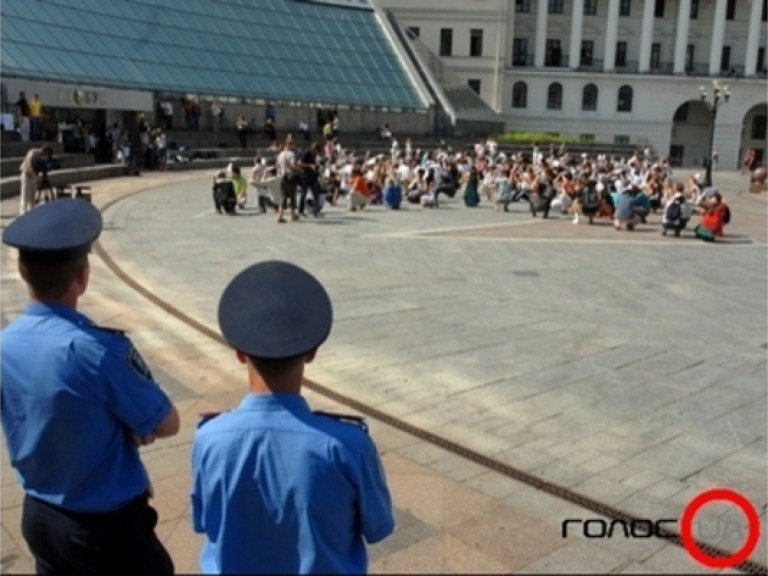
(590, 198)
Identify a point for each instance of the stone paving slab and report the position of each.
(541, 343)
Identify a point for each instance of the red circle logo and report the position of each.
(713, 495)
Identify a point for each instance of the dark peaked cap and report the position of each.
(60, 230)
(275, 309)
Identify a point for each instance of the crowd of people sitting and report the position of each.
(623, 191)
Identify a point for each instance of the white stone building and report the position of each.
(626, 71)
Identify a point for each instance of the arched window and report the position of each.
(555, 96)
(520, 95)
(589, 98)
(625, 99)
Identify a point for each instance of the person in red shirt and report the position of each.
(713, 218)
(359, 190)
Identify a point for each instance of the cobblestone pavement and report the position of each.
(626, 366)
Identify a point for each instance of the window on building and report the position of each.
(590, 7)
(759, 126)
(694, 9)
(765, 10)
(655, 55)
(625, 7)
(522, 6)
(659, 13)
(625, 99)
(676, 155)
(475, 42)
(725, 59)
(414, 31)
(446, 41)
(760, 60)
(587, 50)
(520, 95)
(475, 85)
(555, 96)
(689, 51)
(553, 53)
(555, 6)
(621, 55)
(589, 98)
(621, 139)
(681, 114)
(730, 10)
(520, 52)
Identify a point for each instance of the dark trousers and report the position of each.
(265, 203)
(288, 187)
(118, 542)
(539, 203)
(35, 129)
(309, 182)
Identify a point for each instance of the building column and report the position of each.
(753, 38)
(611, 33)
(718, 32)
(681, 35)
(577, 23)
(646, 36)
(500, 58)
(510, 33)
(541, 33)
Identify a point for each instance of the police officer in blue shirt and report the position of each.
(278, 488)
(77, 401)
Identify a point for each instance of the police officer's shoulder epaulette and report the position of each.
(349, 418)
(206, 417)
(116, 331)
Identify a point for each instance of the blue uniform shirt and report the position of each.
(280, 489)
(72, 394)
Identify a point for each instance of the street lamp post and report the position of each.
(719, 95)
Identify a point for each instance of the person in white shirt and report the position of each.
(404, 173)
(161, 143)
(167, 108)
(216, 113)
(287, 172)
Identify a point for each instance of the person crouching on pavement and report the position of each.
(625, 215)
(676, 212)
(359, 190)
(715, 215)
(224, 197)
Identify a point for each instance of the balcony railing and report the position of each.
(633, 67)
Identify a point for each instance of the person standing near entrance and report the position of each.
(35, 119)
(76, 402)
(22, 111)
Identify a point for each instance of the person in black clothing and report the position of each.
(224, 197)
(270, 132)
(242, 131)
(309, 180)
(22, 109)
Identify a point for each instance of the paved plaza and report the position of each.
(625, 366)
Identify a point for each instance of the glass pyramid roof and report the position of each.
(282, 50)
